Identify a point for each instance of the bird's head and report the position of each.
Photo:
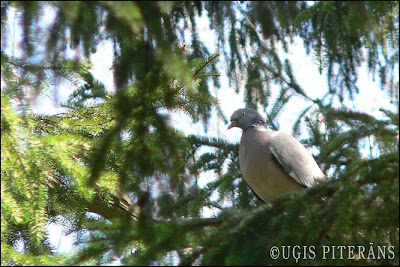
(245, 117)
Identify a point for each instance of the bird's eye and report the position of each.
(243, 114)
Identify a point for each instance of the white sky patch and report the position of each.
(61, 242)
(102, 63)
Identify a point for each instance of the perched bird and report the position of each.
(272, 162)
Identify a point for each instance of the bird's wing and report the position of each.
(295, 159)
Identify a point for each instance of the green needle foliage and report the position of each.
(115, 171)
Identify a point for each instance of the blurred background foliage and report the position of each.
(122, 159)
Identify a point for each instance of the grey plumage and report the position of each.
(272, 163)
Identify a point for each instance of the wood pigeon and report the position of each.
(272, 163)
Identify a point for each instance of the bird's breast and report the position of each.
(263, 173)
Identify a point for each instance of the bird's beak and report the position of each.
(233, 124)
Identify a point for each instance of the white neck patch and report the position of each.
(260, 128)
